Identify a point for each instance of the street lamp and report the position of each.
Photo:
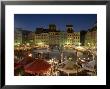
(89, 44)
(30, 55)
(79, 44)
(27, 44)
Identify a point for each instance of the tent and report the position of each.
(37, 67)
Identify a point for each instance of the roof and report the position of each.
(38, 66)
(16, 66)
(69, 25)
(26, 61)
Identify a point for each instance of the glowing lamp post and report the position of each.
(30, 55)
(89, 44)
(79, 44)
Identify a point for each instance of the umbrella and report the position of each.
(38, 66)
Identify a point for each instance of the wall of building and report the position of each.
(17, 37)
(46, 37)
(91, 38)
(76, 38)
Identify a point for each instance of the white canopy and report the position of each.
(89, 66)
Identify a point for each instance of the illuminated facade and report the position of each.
(31, 38)
(56, 37)
(22, 36)
(41, 39)
(51, 36)
(17, 36)
(70, 38)
(69, 35)
(73, 38)
(63, 38)
(76, 38)
(25, 36)
(91, 37)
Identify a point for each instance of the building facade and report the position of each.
(51, 36)
(25, 36)
(41, 37)
(91, 37)
(17, 36)
(54, 38)
(82, 37)
(22, 36)
(31, 38)
(63, 38)
(76, 38)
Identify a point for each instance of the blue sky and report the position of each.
(33, 21)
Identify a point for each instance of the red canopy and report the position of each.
(26, 61)
(16, 66)
(38, 66)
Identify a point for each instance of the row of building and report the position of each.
(52, 36)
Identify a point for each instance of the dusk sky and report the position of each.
(33, 21)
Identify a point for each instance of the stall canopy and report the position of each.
(26, 61)
(16, 66)
(70, 67)
(38, 66)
